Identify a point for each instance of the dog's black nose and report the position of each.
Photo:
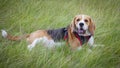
(81, 24)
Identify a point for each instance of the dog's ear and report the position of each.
(72, 25)
(91, 26)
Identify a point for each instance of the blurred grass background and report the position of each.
(25, 16)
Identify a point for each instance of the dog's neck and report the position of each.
(82, 38)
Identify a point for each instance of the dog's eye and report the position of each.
(78, 19)
(86, 20)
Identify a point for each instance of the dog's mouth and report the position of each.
(81, 31)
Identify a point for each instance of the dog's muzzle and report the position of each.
(81, 31)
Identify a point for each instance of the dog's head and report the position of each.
(83, 25)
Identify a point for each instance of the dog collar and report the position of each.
(82, 39)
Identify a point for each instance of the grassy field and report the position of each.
(25, 16)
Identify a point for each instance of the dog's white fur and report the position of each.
(44, 41)
(91, 41)
(4, 33)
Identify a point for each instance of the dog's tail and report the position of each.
(14, 38)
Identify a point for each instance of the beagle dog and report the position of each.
(80, 31)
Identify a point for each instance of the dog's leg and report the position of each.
(44, 41)
(34, 43)
(91, 41)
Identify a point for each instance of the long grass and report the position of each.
(25, 16)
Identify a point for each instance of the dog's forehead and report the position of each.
(82, 16)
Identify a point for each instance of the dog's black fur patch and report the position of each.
(57, 34)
